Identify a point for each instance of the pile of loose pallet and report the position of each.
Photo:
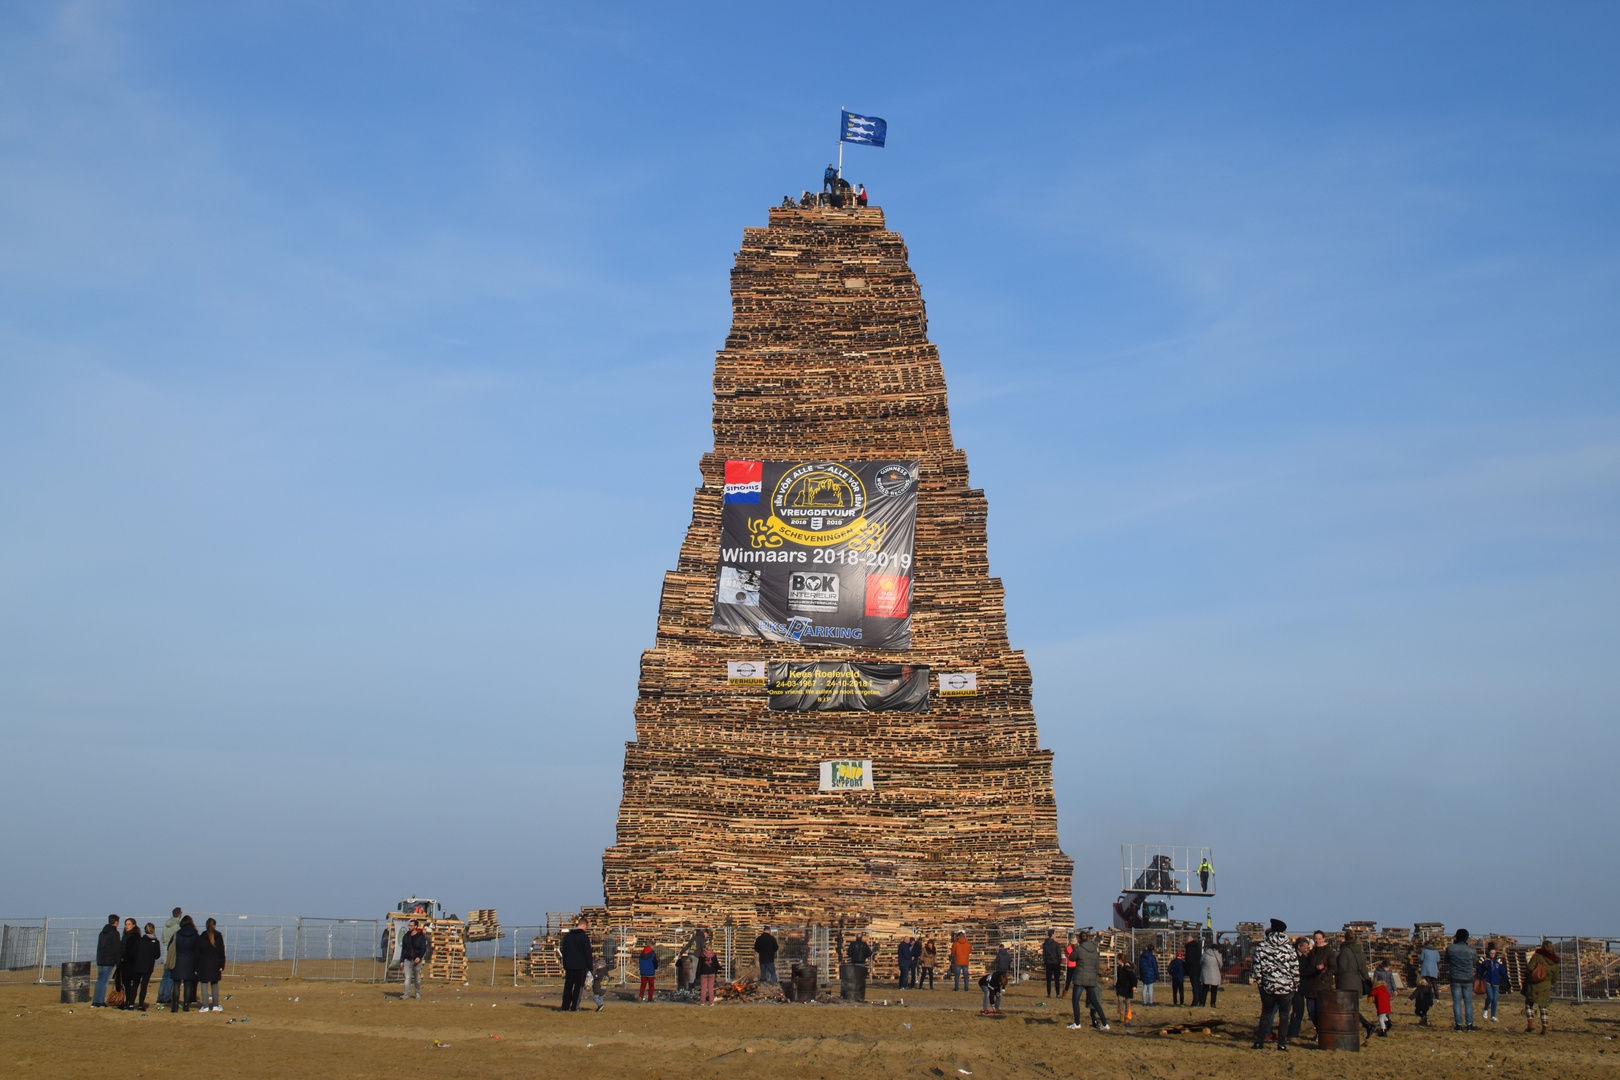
(721, 819)
(483, 924)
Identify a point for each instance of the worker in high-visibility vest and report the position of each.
(1204, 870)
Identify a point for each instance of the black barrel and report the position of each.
(75, 981)
(1338, 1020)
(852, 982)
(804, 982)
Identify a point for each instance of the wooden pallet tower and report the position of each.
(721, 819)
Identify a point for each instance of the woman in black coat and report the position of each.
(210, 965)
(185, 965)
(127, 947)
(147, 951)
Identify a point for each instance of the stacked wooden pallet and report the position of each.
(483, 924)
(544, 960)
(448, 960)
(721, 819)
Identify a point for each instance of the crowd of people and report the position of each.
(126, 960)
(835, 191)
(1296, 975)
(1293, 975)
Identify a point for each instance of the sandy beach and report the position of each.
(288, 1028)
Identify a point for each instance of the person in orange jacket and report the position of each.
(961, 953)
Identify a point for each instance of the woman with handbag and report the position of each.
(210, 965)
(1540, 976)
(1489, 979)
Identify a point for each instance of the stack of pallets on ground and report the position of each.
(1394, 945)
(1427, 935)
(449, 959)
(722, 819)
(483, 924)
(545, 960)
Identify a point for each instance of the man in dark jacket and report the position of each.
(576, 962)
(1461, 958)
(413, 953)
(1318, 972)
(109, 951)
(859, 951)
(902, 957)
(1277, 966)
(1052, 960)
(1194, 951)
(766, 947)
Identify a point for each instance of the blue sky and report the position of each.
(354, 369)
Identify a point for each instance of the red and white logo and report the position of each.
(887, 597)
(743, 480)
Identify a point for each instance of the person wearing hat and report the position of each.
(1277, 965)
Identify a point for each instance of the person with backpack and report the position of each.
(1540, 976)
(166, 984)
(1147, 967)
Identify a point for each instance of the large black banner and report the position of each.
(818, 552)
(832, 686)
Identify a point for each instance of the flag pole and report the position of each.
(840, 142)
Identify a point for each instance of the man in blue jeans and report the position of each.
(170, 928)
(1461, 958)
(109, 951)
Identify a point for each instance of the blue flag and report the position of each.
(866, 130)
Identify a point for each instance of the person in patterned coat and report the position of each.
(1276, 967)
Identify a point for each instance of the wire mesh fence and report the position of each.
(274, 946)
(313, 947)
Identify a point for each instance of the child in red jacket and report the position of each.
(1380, 996)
